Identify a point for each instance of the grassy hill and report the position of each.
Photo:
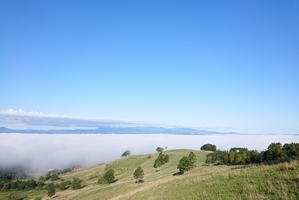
(204, 182)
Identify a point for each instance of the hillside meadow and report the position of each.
(279, 181)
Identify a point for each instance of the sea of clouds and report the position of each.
(40, 152)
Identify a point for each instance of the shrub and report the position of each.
(108, 177)
(76, 183)
(138, 174)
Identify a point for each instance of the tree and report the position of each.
(160, 149)
(76, 183)
(48, 176)
(31, 184)
(157, 164)
(161, 160)
(51, 190)
(274, 151)
(208, 147)
(39, 184)
(63, 185)
(138, 174)
(126, 153)
(192, 159)
(210, 158)
(184, 164)
(231, 157)
(54, 177)
(109, 176)
(238, 160)
(41, 178)
(291, 150)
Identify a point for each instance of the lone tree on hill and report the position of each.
(160, 149)
(138, 174)
(208, 147)
(126, 153)
(51, 190)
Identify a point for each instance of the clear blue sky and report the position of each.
(231, 65)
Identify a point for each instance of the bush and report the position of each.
(138, 174)
(184, 164)
(51, 190)
(107, 178)
(76, 183)
(63, 185)
(102, 180)
(54, 177)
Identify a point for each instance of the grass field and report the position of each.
(203, 182)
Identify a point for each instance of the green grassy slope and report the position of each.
(124, 169)
(204, 182)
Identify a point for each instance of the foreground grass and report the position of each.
(215, 182)
(204, 182)
(223, 182)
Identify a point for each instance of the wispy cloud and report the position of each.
(34, 118)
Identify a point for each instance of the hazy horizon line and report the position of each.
(20, 119)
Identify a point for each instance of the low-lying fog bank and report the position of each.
(40, 152)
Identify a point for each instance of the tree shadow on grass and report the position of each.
(178, 173)
(139, 181)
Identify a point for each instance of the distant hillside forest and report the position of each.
(274, 154)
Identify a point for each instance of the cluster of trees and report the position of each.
(18, 185)
(187, 163)
(160, 149)
(239, 156)
(208, 147)
(12, 175)
(109, 177)
(161, 160)
(74, 184)
(12, 180)
(9, 181)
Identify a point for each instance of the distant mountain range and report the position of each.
(117, 130)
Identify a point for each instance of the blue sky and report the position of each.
(230, 65)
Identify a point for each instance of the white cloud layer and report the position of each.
(39, 152)
(34, 118)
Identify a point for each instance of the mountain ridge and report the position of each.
(117, 130)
